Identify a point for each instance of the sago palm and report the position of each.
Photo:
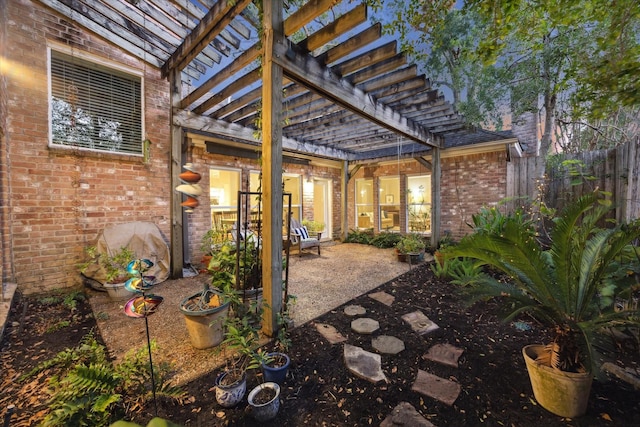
(568, 285)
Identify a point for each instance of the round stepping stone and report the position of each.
(354, 310)
(387, 344)
(365, 325)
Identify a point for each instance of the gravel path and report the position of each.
(342, 272)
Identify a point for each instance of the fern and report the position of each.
(89, 351)
(90, 391)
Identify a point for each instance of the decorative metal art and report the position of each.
(143, 306)
(189, 187)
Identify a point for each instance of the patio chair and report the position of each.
(301, 239)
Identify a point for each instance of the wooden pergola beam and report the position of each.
(341, 25)
(235, 132)
(238, 84)
(308, 72)
(246, 58)
(308, 12)
(218, 17)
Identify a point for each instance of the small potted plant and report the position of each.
(264, 401)
(110, 267)
(411, 248)
(276, 364)
(241, 337)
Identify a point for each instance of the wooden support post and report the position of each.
(272, 167)
(177, 246)
(436, 205)
(344, 213)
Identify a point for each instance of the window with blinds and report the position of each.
(94, 107)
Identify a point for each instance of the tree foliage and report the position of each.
(573, 62)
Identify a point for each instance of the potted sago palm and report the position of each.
(569, 284)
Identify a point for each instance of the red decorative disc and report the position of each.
(189, 176)
(191, 202)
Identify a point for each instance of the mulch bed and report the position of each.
(320, 391)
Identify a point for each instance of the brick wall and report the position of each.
(468, 183)
(60, 200)
(4, 193)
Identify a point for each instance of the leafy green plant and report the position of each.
(241, 337)
(491, 220)
(283, 340)
(411, 244)
(567, 286)
(114, 265)
(59, 325)
(212, 240)
(88, 351)
(234, 266)
(71, 300)
(360, 236)
(155, 422)
(86, 389)
(385, 240)
(464, 271)
(222, 268)
(313, 226)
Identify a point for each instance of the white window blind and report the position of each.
(94, 107)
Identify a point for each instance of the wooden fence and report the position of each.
(569, 175)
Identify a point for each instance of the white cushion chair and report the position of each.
(301, 239)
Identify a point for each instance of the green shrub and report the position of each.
(411, 244)
(360, 236)
(385, 240)
(464, 271)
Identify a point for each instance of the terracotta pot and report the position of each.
(563, 393)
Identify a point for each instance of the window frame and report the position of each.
(108, 67)
(424, 207)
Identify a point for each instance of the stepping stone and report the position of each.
(363, 364)
(405, 415)
(365, 325)
(330, 333)
(419, 322)
(446, 354)
(387, 344)
(383, 297)
(354, 310)
(438, 388)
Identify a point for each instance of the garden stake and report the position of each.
(153, 380)
(148, 303)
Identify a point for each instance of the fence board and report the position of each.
(615, 170)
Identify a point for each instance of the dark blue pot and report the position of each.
(276, 374)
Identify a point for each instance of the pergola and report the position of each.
(340, 91)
